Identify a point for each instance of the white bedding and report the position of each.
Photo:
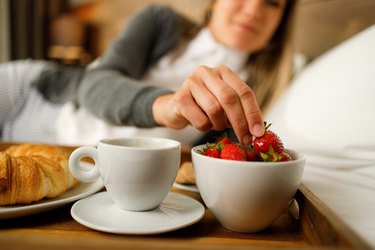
(329, 114)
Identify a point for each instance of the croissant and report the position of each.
(185, 174)
(31, 172)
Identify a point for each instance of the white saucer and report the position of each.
(191, 187)
(99, 212)
(80, 191)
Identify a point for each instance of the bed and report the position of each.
(329, 114)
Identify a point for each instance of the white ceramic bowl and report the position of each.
(247, 196)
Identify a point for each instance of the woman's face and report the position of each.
(247, 25)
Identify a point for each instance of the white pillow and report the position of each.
(330, 106)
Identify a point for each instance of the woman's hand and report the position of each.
(212, 98)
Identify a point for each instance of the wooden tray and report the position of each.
(310, 224)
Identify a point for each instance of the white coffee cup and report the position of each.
(138, 172)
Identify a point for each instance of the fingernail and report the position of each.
(258, 130)
(247, 139)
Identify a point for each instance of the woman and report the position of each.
(150, 76)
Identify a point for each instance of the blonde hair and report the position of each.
(271, 69)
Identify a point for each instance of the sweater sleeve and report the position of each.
(59, 83)
(113, 90)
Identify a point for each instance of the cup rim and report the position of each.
(114, 142)
(300, 157)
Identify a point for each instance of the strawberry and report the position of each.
(267, 148)
(284, 156)
(233, 152)
(250, 154)
(264, 143)
(222, 141)
(212, 152)
(225, 141)
(272, 156)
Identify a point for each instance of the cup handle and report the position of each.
(74, 164)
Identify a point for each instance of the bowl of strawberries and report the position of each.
(247, 187)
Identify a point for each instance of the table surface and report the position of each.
(58, 230)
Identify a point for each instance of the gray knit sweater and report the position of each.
(113, 90)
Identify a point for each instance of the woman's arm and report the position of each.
(112, 90)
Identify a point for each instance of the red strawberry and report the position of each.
(212, 152)
(233, 152)
(284, 156)
(250, 154)
(272, 156)
(225, 141)
(266, 141)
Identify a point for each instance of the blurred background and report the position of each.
(75, 32)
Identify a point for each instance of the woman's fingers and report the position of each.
(208, 103)
(212, 98)
(188, 107)
(166, 112)
(236, 99)
(248, 101)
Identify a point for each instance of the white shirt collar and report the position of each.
(204, 45)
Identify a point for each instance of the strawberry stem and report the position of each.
(267, 126)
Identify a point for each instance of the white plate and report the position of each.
(99, 212)
(191, 188)
(78, 192)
